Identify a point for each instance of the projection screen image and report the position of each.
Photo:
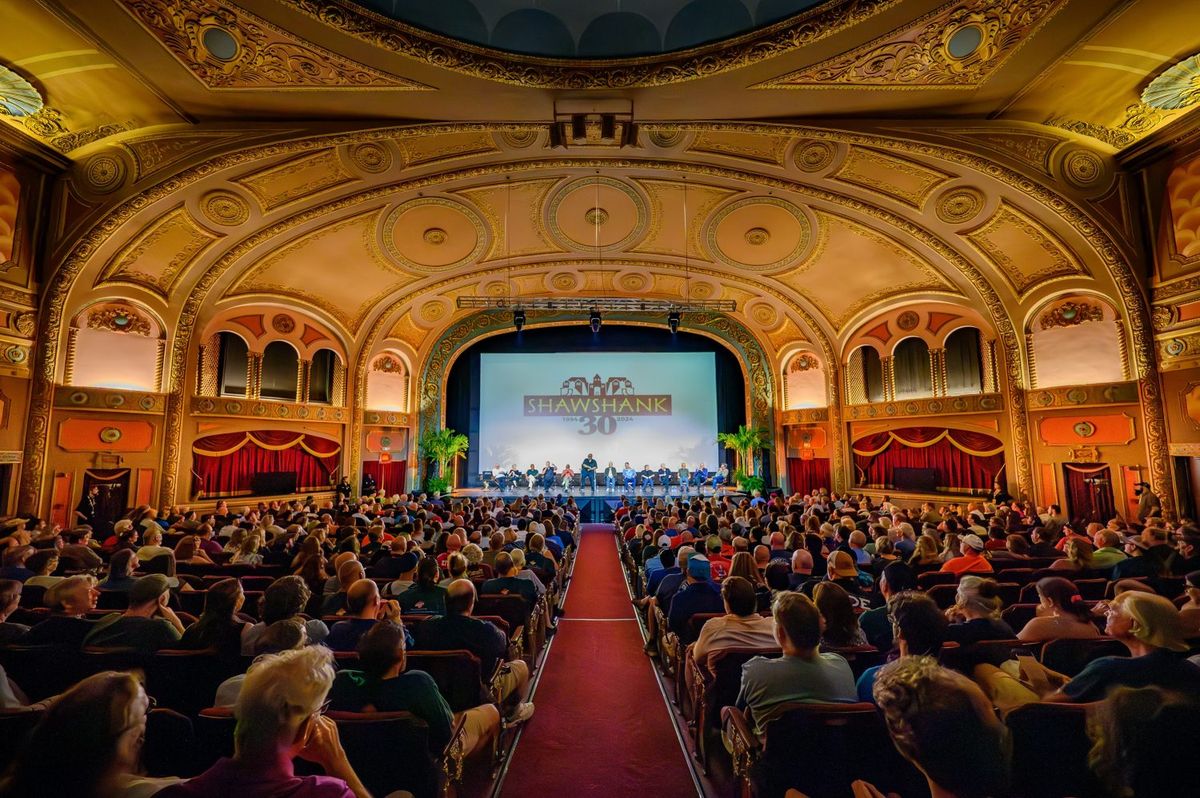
(644, 407)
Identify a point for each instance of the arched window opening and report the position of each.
(964, 362)
(280, 372)
(1076, 341)
(911, 364)
(115, 345)
(872, 374)
(233, 365)
(320, 376)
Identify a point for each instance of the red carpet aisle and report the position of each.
(601, 726)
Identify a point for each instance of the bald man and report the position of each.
(348, 573)
(802, 567)
(363, 608)
(458, 630)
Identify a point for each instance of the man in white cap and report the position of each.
(970, 559)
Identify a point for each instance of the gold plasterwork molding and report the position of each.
(447, 147)
(762, 149)
(701, 200)
(496, 202)
(919, 56)
(803, 233)
(772, 41)
(297, 179)
(396, 252)
(160, 254)
(897, 178)
(996, 243)
(264, 56)
(637, 229)
(1107, 249)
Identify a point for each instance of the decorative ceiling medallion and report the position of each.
(403, 234)
(1070, 313)
(1178, 87)
(1162, 317)
(228, 48)
(104, 172)
(18, 97)
(519, 139)
(571, 214)
(371, 157)
(1084, 429)
(119, 319)
(908, 320)
(1175, 347)
(960, 205)
(283, 324)
(432, 312)
(596, 216)
(435, 236)
(814, 156)
(783, 248)
(563, 282)
(757, 236)
(959, 47)
(762, 313)
(772, 41)
(224, 208)
(25, 324)
(110, 434)
(631, 281)
(666, 139)
(1083, 168)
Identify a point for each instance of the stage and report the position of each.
(594, 506)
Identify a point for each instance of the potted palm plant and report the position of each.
(745, 443)
(442, 446)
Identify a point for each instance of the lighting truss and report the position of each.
(602, 304)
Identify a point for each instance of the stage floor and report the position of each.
(615, 496)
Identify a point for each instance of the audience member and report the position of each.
(1061, 612)
(148, 625)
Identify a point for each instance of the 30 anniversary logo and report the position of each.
(598, 405)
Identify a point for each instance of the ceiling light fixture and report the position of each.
(594, 320)
(519, 319)
(673, 321)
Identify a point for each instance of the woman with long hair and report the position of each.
(87, 745)
(187, 550)
(219, 627)
(743, 565)
(841, 624)
(1079, 556)
(926, 554)
(1061, 613)
(247, 553)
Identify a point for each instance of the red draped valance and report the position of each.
(271, 440)
(977, 444)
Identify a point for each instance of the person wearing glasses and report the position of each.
(280, 716)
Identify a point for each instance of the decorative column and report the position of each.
(338, 397)
(987, 358)
(889, 378)
(72, 344)
(856, 391)
(254, 361)
(206, 375)
(1124, 345)
(303, 381)
(937, 372)
(1033, 381)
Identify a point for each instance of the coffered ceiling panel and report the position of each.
(336, 268)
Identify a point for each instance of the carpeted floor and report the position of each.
(601, 726)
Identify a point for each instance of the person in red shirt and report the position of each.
(720, 565)
(970, 559)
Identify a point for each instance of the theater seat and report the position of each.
(1050, 751)
(716, 687)
(170, 747)
(1071, 656)
(818, 749)
(186, 681)
(457, 674)
(41, 671)
(15, 726)
(390, 751)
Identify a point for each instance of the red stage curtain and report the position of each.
(389, 477)
(226, 463)
(808, 476)
(962, 460)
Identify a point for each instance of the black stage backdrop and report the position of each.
(462, 387)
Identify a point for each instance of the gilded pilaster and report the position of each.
(1033, 381)
(937, 372)
(206, 376)
(303, 381)
(1124, 344)
(889, 378)
(72, 344)
(160, 359)
(254, 361)
(987, 357)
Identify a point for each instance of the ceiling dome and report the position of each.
(600, 29)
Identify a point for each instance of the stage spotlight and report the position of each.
(673, 321)
(518, 319)
(594, 321)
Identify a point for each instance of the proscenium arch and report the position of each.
(80, 253)
(435, 369)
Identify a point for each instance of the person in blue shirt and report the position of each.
(548, 476)
(700, 476)
(699, 594)
(630, 476)
(665, 566)
(919, 628)
(587, 472)
(664, 478)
